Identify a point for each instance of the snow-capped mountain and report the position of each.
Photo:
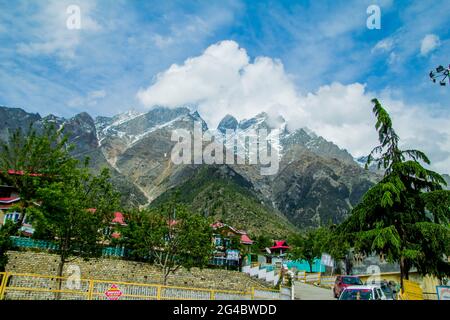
(301, 137)
(316, 181)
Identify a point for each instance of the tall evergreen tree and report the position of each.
(405, 215)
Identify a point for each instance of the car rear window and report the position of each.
(357, 294)
(352, 280)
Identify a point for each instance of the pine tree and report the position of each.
(405, 215)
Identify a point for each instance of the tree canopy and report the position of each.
(29, 159)
(169, 236)
(55, 192)
(77, 213)
(308, 245)
(405, 215)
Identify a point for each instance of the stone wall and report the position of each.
(129, 271)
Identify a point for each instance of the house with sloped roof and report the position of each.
(229, 245)
(276, 254)
(9, 196)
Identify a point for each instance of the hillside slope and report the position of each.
(222, 194)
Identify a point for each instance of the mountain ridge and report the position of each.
(315, 184)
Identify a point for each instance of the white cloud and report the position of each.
(224, 80)
(429, 43)
(384, 45)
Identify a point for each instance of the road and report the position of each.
(303, 291)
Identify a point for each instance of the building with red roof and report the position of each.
(118, 219)
(225, 254)
(279, 245)
(21, 173)
(228, 231)
(276, 253)
(9, 196)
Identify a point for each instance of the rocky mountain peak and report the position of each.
(52, 118)
(12, 119)
(227, 123)
(317, 180)
(83, 117)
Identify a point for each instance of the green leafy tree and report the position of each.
(55, 194)
(27, 161)
(5, 243)
(338, 246)
(308, 245)
(170, 237)
(34, 158)
(262, 242)
(405, 215)
(64, 213)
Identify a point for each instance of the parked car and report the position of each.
(387, 287)
(365, 292)
(343, 282)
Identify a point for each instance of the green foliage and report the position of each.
(56, 192)
(437, 204)
(335, 243)
(5, 243)
(228, 199)
(39, 157)
(308, 245)
(64, 213)
(261, 242)
(405, 216)
(170, 236)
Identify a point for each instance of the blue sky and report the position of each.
(323, 48)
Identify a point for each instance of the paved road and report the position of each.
(303, 291)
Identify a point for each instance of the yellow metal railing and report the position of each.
(17, 286)
(2, 283)
(317, 278)
(327, 280)
(301, 276)
(412, 291)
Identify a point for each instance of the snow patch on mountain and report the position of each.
(108, 126)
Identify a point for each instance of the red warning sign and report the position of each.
(113, 293)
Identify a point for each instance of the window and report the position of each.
(356, 294)
(218, 261)
(5, 193)
(352, 280)
(14, 216)
(217, 241)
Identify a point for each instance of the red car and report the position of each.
(343, 282)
